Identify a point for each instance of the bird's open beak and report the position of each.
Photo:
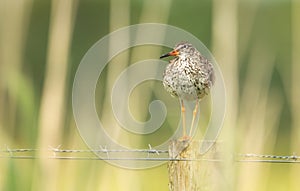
(172, 53)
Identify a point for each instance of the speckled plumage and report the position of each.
(189, 75)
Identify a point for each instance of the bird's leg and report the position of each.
(194, 117)
(183, 119)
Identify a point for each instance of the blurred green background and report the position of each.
(256, 44)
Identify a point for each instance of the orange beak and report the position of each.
(172, 53)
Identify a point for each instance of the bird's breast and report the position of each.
(181, 79)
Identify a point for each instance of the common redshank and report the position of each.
(189, 76)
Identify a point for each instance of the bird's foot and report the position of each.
(185, 138)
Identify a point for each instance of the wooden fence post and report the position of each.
(188, 170)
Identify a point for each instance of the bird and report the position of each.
(188, 76)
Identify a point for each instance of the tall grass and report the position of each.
(295, 89)
(256, 44)
(225, 49)
(52, 111)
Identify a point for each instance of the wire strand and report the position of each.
(152, 155)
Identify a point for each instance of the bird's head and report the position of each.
(181, 50)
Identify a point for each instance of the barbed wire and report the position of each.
(151, 155)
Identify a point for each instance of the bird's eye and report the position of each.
(185, 46)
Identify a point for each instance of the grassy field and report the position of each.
(256, 44)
